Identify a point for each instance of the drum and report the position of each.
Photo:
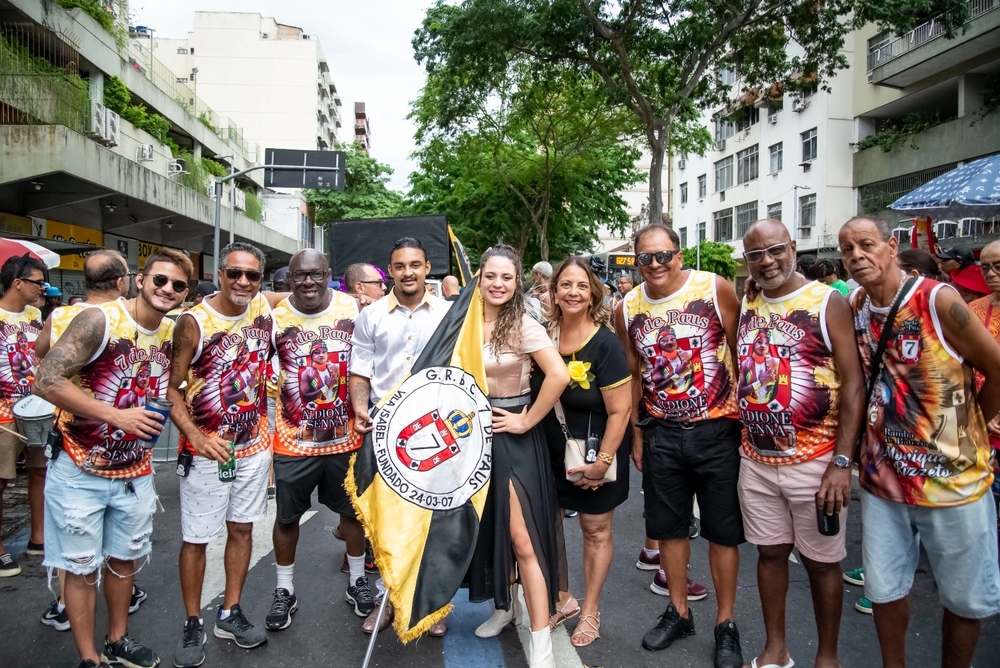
(34, 417)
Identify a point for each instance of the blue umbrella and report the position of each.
(969, 191)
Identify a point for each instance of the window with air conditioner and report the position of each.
(747, 165)
(776, 158)
(684, 193)
(702, 186)
(724, 174)
(774, 211)
(810, 145)
(746, 214)
(724, 129)
(723, 223)
(807, 215)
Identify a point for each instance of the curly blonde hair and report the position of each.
(598, 311)
(507, 331)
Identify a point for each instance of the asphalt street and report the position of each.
(325, 631)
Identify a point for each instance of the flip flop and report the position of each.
(790, 664)
(562, 614)
(592, 634)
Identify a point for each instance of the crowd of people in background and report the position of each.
(744, 414)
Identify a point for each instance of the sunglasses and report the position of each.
(301, 276)
(663, 257)
(159, 280)
(755, 256)
(234, 274)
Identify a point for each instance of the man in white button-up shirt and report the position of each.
(389, 336)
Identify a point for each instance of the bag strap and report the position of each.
(878, 359)
(561, 416)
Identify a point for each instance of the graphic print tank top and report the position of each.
(687, 372)
(314, 415)
(225, 386)
(132, 366)
(18, 363)
(787, 384)
(926, 442)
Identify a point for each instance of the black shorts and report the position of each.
(703, 460)
(297, 477)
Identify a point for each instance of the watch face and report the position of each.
(842, 461)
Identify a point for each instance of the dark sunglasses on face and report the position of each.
(301, 276)
(234, 274)
(159, 280)
(777, 250)
(663, 257)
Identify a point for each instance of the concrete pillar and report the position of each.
(970, 94)
(196, 150)
(97, 86)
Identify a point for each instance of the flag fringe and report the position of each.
(383, 565)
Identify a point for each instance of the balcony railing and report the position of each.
(881, 52)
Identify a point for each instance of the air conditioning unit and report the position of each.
(210, 191)
(682, 163)
(98, 122)
(239, 199)
(772, 119)
(145, 153)
(114, 133)
(806, 166)
(722, 195)
(263, 216)
(176, 166)
(720, 145)
(798, 105)
(805, 232)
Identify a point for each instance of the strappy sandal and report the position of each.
(591, 634)
(562, 614)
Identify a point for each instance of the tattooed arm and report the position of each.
(83, 339)
(185, 339)
(970, 339)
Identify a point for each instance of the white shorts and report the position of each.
(207, 503)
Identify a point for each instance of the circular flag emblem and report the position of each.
(433, 438)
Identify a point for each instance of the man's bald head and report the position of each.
(990, 263)
(770, 255)
(449, 286)
(767, 227)
(308, 259)
(102, 270)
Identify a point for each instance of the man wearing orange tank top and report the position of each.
(926, 459)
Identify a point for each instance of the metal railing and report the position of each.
(883, 51)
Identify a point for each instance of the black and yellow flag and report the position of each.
(419, 482)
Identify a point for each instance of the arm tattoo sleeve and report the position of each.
(78, 344)
(960, 315)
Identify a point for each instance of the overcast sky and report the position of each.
(367, 45)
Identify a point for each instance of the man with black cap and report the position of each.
(954, 258)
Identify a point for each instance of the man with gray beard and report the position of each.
(800, 391)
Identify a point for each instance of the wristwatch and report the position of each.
(842, 462)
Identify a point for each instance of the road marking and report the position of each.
(215, 555)
(461, 647)
(562, 649)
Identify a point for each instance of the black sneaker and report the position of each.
(360, 596)
(670, 627)
(90, 664)
(237, 627)
(693, 531)
(56, 619)
(138, 596)
(727, 646)
(8, 567)
(128, 652)
(191, 652)
(35, 549)
(282, 608)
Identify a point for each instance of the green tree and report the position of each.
(365, 194)
(542, 153)
(715, 257)
(663, 60)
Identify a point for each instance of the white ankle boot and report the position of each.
(541, 650)
(501, 618)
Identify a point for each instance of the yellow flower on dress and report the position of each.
(579, 374)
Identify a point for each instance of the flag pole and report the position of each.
(378, 624)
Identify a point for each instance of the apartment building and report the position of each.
(100, 147)
(272, 79)
(779, 155)
(936, 96)
(362, 128)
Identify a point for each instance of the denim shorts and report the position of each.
(89, 518)
(960, 542)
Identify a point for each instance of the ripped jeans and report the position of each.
(89, 518)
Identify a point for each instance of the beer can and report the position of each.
(227, 471)
(161, 406)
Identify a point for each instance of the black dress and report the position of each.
(610, 368)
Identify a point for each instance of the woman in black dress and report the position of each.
(598, 399)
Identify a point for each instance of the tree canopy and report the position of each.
(663, 60)
(365, 193)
